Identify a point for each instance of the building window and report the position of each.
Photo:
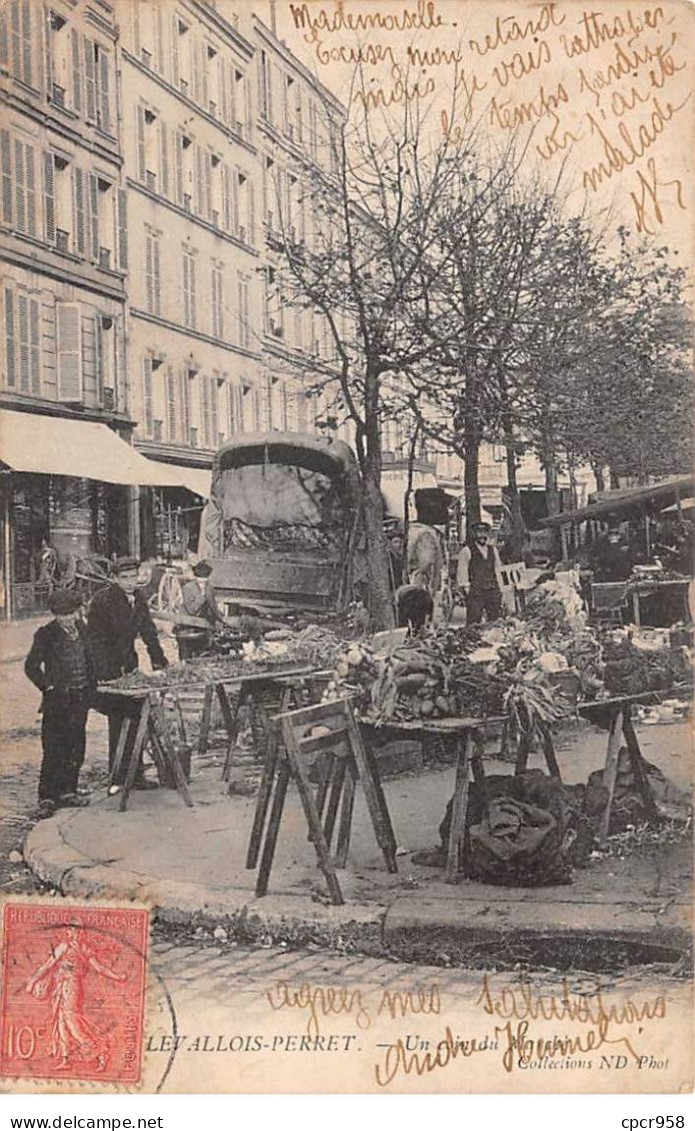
(147, 401)
(273, 303)
(209, 411)
(153, 275)
(244, 329)
(152, 150)
(69, 352)
(22, 342)
(106, 338)
(266, 87)
(16, 49)
(189, 295)
(19, 173)
(178, 406)
(217, 302)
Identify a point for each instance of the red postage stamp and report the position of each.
(73, 992)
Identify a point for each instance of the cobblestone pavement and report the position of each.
(219, 973)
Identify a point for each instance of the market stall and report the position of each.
(637, 549)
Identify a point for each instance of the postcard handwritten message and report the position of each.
(598, 89)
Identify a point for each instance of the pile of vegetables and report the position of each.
(629, 669)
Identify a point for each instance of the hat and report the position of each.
(63, 601)
(202, 569)
(125, 565)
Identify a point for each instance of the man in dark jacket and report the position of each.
(60, 665)
(478, 576)
(117, 616)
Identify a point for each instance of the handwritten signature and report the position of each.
(325, 1001)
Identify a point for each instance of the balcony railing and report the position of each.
(215, 218)
(193, 437)
(62, 240)
(150, 179)
(187, 201)
(157, 429)
(105, 258)
(241, 233)
(146, 57)
(57, 95)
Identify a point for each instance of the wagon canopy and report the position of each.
(281, 482)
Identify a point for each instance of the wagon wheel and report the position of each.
(169, 595)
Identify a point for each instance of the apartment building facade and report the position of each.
(65, 259)
(153, 157)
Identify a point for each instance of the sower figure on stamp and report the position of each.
(117, 616)
(60, 665)
(478, 576)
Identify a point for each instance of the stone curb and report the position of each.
(290, 918)
(411, 927)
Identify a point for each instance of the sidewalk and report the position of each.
(189, 864)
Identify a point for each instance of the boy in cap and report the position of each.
(60, 665)
(478, 576)
(117, 615)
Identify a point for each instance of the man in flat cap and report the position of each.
(117, 615)
(60, 664)
(478, 576)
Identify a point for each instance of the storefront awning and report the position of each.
(196, 479)
(81, 449)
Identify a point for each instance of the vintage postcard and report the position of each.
(347, 529)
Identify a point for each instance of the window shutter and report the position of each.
(47, 45)
(20, 186)
(214, 412)
(149, 274)
(164, 158)
(80, 218)
(172, 430)
(49, 197)
(185, 405)
(104, 99)
(136, 27)
(158, 38)
(94, 216)
(235, 203)
(178, 155)
(26, 42)
(196, 68)
(208, 184)
(223, 76)
(226, 199)
(175, 49)
(199, 195)
(23, 319)
(157, 276)
(191, 284)
(251, 213)
(16, 40)
(121, 223)
(186, 291)
(205, 409)
(76, 72)
(147, 414)
(6, 163)
(10, 340)
(4, 42)
(69, 355)
(90, 80)
(31, 189)
(142, 164)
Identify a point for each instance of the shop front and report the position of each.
(170, 516)
(66, 497)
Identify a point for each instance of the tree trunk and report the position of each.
(517, 533)
(380, 599)
(471, 459)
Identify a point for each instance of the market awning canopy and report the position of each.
(626, 501)
(196, 479)
(81, 449)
